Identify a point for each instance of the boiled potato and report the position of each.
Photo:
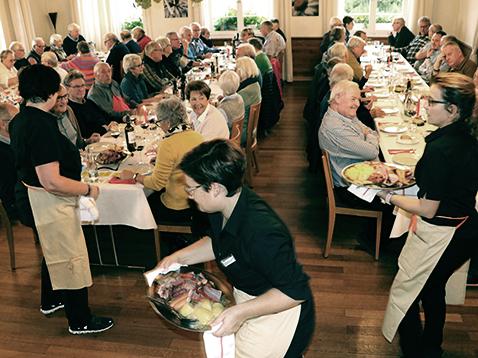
(203, 315)
(217, 309)
(186, 310)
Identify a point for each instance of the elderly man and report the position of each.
(274, 44)
(356, 48)
(410, 51)
(421, 55)
(38, 47)
(115, 58)
(178, 57)
(206, 37)
(156, 75)
(70, 42)
(342, 135)
(8, 72)
(67, 122)
(197, 48)
(426, 68)
(140, 36)
(106, 93)
(49, 59)
(400, 36)
(8, 177)
(128, 41)
(19, 54)
(84, 62)
(456, 60)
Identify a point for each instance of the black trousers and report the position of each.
(418, 341)
(75, 301)
(162, 213)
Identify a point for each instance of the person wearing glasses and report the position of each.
(117, 51)
(38, 47)
(19, 53)
(133, 86)
(50, 166)
(170, 201)
(67, 122)
(274, 311)
(445, 223)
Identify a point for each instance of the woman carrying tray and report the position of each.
(443, 236)
(274, 315)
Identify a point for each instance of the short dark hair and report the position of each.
(275, 21)
(216, 161)
(441, 33)
(71, 76)
(359, 33)
(347, 20)
(83, 47)
(198, 86)
(38, 82)
(256, 43)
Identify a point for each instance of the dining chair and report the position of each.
(236, 130)
(343, 210)
(6, 223)
(251, 144)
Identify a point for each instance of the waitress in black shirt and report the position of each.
(444, 235)
(50, 166)
(274, 315)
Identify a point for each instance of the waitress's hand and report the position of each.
(231, 319)
(168, 261)
(94, 191)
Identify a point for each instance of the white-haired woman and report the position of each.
(133, 86)
(232, 104)
(71, 40)
(51, 60)
(249, 88)
(56, 46)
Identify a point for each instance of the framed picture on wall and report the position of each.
(305, 7)
(175, 8)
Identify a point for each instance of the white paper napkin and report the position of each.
(88, 210)
(219, 347)
(363, 192)
(151, 275)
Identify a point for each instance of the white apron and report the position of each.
(423, 249)
(59, 229)
(266, 336)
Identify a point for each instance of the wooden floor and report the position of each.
(350, 288)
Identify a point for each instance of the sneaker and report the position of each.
(51, 308)
(96, 325)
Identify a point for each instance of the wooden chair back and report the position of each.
(252, 123)
(236, 130)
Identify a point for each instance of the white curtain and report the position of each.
(327, 9)
(21, 17)
(282, 11)
(417, 9)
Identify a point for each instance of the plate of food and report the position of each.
(190, 298)
(393, 128)
(407, 139)
(100, 147)
(111, 157)
(378, 175)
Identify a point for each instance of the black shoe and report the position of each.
(49, 309)
(96, 325)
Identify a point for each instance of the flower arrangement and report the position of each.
(146, 4)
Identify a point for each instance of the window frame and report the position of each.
(372, 13)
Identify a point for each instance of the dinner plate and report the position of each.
(100, 146)
(163, 309)
(393, 128)
(378, 94)
(375, 84)
(410, 140)
(390, 110)
(405, 159)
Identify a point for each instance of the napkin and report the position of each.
(88, 210)
(363, 192)
(219, 347)
(115, 180)
(151, 275)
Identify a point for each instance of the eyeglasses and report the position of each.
(431, 102)
(191, 189)
(78, 86)
(137, 66)
(59, 98)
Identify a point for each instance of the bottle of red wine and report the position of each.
(129, 135)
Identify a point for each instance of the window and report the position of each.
(226, 17)
(373, 16)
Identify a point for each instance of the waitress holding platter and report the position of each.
(444, 230)
(274, 314)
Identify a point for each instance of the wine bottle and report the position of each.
(129, 135)
(182, 88)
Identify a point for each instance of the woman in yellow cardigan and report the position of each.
(169, 202)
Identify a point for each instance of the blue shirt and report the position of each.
(134, 89)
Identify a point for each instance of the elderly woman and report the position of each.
(8, 72)
(133, 86)
(51, 60)
(232, 104)
(168, 61)
(156, 75)
(170, 202)
(50, 166)
(249, 88)
(445, 224)
(274, 311)
(71, 40)
(19, 53)
(206, 118)
(56, 43)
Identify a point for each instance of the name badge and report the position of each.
(228, 260)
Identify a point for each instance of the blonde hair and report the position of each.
(163, 42)
(150, 47)
(50, 58)
(337, 50)
(340, 72)
(229, 82)
(246, 68)
(131, 60)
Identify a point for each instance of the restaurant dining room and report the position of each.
(166, 162)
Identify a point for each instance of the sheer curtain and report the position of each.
(282, 11)
(417, 9)
(21, 17)
(327, 9)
